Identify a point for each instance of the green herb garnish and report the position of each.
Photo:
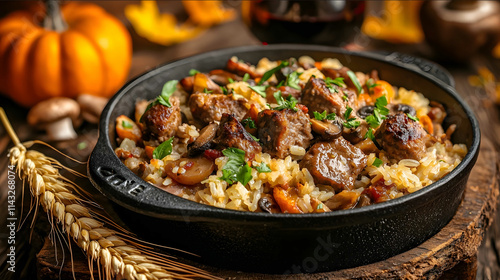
(370, 83)
(164, 149)
(323, 116)
(414, 118)
(320, 206)
(355, 81)
(81, 146)
(377, 162)
(379, 113)
(248, 122)
(164, 98)
(236, 168)
(246, 77)
(271, 72)
(292, 80)
(263, 168)
(230, 80)
(224, 90)
(350, 122)
(205, 90)
(288, 103)
(126, 124)
(193, 72)
(339, 81)
(369, 135)
(261, 90)
(255, 138)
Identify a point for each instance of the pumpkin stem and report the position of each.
(54, 20)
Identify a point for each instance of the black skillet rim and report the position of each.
(202, 212)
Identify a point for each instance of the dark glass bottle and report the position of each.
(329, 22)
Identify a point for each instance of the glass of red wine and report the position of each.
(326, 22)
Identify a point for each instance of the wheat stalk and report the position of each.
(73, 216)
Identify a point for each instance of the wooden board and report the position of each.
(456, 243)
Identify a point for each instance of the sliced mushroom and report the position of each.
(57, 116)
(190, 171)
(204, 141)
(268, 204)
(328, 130)
(222, 77)
(240, 68)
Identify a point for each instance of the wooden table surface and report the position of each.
(148, 55)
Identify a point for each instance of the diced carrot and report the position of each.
(365, 98)
(286, 200)
(427, 124)
(127, 128)
(149, 151)
(318, 65)
(383, 88)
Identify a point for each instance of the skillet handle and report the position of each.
(422, 65)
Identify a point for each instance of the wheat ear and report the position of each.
(70, 212)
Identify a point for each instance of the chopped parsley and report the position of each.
(413, 118)
(164, 98)
(288, 103)
(370, 83)
(263, 168)
(255, 138)
(369, 135)
(345, 97)
(224, 90)
(377, 162)
(323, 116)
(205, 90)
(246, 77)
(271, 72)
(320, 206)
(355, 81)
(350, 122)
(339, 81)
(230, 80)
(379, 113)
(126, 124)
(292, 80)
(164, 149)
(248, 122)
(236, 168)
(193, 72)
(261, 90)
(81, 146)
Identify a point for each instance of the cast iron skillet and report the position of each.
(285, 243)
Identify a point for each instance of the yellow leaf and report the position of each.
(159, 28)
(208, 13)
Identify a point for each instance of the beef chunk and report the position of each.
(160, 122)
(317, 97)
(209, 107)
(232, 134)
(336, 163)
(279, 130)
(401, 137)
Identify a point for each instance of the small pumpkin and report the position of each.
(78, 48)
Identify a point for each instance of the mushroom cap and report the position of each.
(91, 106)
(52, 110)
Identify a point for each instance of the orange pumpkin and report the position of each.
(85, 51)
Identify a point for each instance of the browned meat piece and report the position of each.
(401, 137)
(232, 134)
(240, 68)
(285, 92)
(317, 97)
(209, 107)
(161, 122)
(279, 130)
(336, 163)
